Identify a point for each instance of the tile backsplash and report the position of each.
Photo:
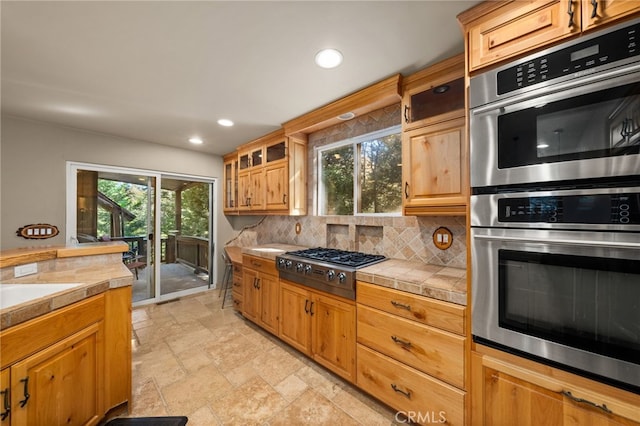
(398, 237)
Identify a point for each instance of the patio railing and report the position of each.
(193, 251)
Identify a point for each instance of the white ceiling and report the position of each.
(163, 71)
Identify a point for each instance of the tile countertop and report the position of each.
(96, 274)
(438, 282)
(270, 251)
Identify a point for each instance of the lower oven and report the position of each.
(556, 277)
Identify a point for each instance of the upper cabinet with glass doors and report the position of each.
(496, 31)
(270, 177)
(434, 142)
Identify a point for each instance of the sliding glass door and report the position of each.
(165, 220)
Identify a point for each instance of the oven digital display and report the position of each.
(589, 209)
(584, 53)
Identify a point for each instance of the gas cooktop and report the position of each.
(325, 269)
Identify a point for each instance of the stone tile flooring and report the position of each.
(192, 358)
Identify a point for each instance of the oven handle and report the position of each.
(560, 87)
(612, 244)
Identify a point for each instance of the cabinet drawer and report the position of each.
(237, 302)
(409, 390)
(520, 27)
(436, 313)
(432, 351)
(260, 264)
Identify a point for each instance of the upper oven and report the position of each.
(571, 112)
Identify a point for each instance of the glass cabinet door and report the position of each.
(437, 100)
(276, 151)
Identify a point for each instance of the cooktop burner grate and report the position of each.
(352, 259)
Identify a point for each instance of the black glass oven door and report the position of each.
(589, 303)
(598, 124)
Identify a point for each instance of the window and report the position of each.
(361, 175)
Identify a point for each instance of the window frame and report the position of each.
(354, 142)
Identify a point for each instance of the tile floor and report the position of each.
(190, 357)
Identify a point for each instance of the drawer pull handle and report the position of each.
(401, 305)
(398, 390)
(256, 264)
(6, 404)
(25, 391)
(401, 342)
(603, 407)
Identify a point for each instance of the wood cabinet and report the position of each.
(434, 142)
(5, 397)
(236, 292)
(501, 30)
(271, 176)
(411, 352)
(320, 326)
(70, 366)
(61, 384)
(230, 194)
(600, 12)
(508, 390)
(260, 284)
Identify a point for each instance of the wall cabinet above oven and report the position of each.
(500, 30)
(434, 142)
(267, 176)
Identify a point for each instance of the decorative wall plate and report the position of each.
(38, 231)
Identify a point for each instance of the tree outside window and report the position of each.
(362, 176)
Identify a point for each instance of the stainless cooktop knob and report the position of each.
(299, 267)
(307, 269)
(280, 263)
(331, 274)
(289, 264)
(342, 277)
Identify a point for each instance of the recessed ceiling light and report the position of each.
(346, 116)
(195, 141)
(225, 122)
(328, 58)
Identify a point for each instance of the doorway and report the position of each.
(165, 219)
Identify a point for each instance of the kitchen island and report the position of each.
(66, 356)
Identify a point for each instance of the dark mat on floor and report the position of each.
(148, 421)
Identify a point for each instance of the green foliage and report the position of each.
(379, 177)
(134, 198)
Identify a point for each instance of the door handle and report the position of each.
(594, 12)
(25, 391)
(311, 309)
(306, 308)
(400, 391)
(406, 113)
(570, 12)
(6, 404)
(406, 190)
(609, 244)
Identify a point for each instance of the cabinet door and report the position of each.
(598, 12)
(333, 329)
(5, 397)
(258, 190)
(250, 295)
(230, 195)
(244, 191)
(277, 181)
(61, 384)
(435, 167)
(509, 401)
(520, 27)
(295, 324)
(268, 286)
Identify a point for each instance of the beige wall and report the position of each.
(33, 158)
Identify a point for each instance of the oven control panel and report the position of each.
(620, 209)
(582, 57)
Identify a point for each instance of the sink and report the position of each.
(14, 294)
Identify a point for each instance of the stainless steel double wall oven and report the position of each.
(555, 206)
